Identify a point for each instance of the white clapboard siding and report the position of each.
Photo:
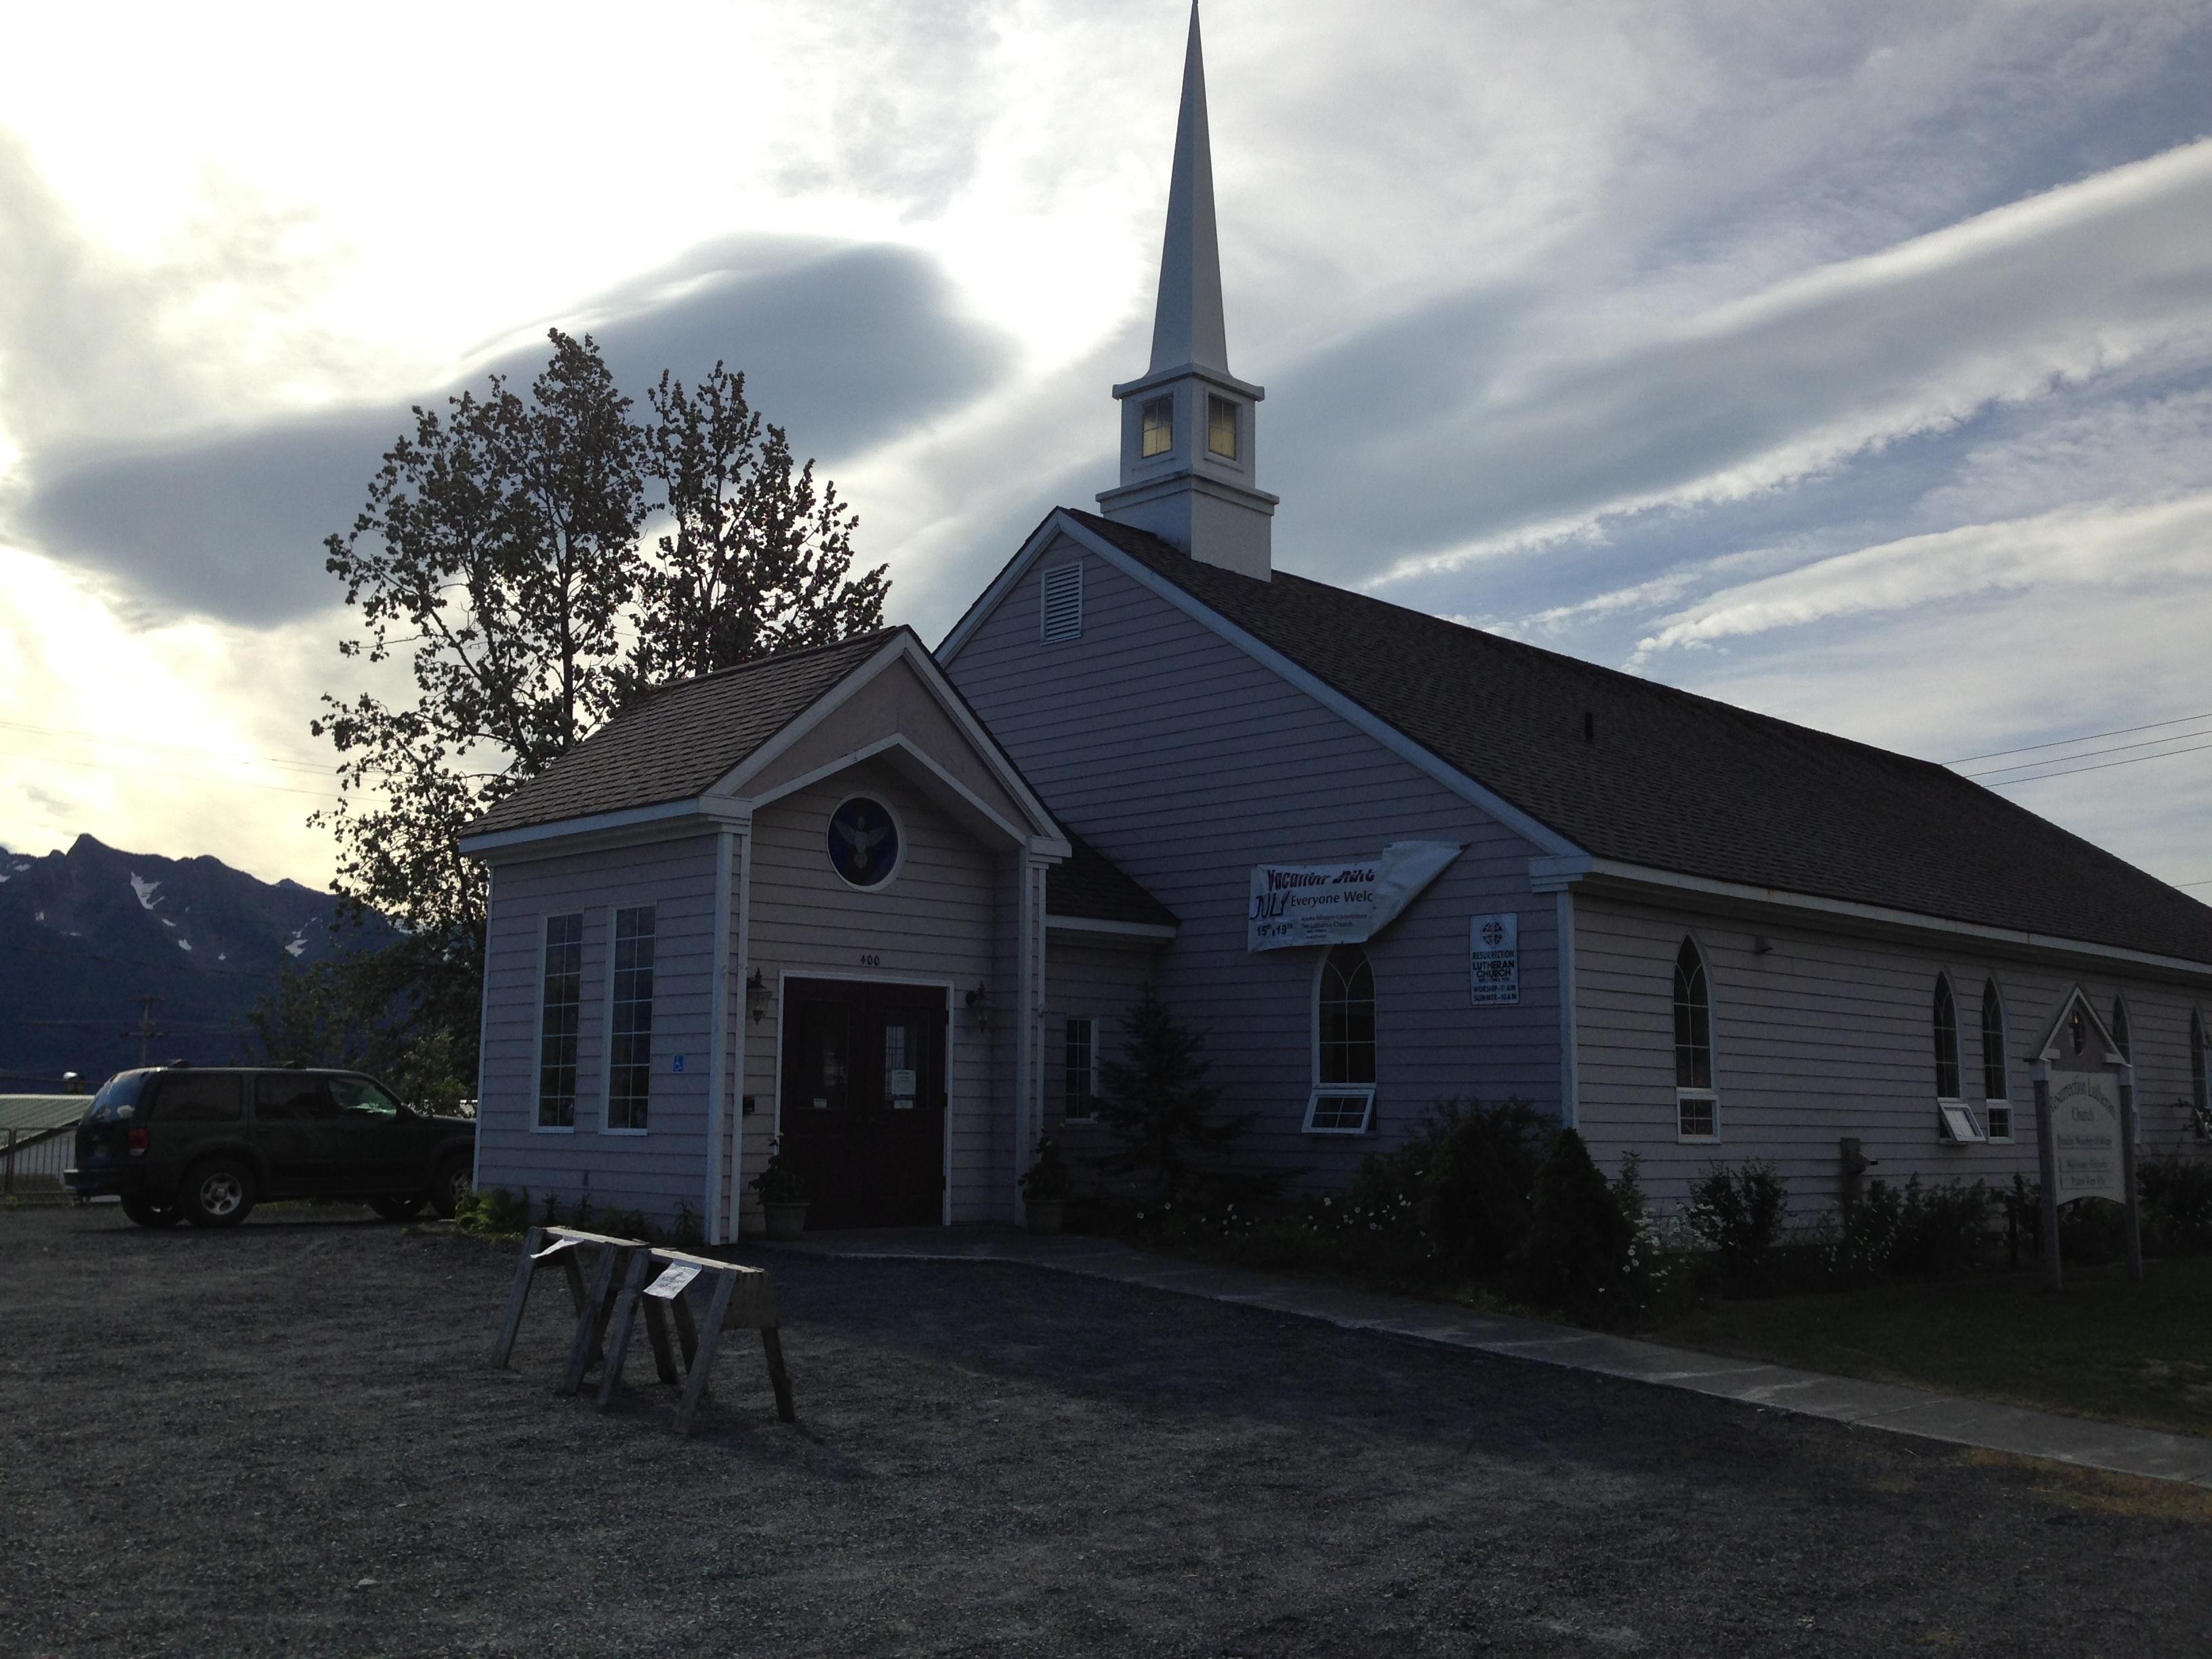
(1187, 763)
(938, 920)
(1100, 981)
(665, 1167)
(1827, 1035)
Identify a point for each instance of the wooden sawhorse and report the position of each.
(743, 1298)
(593, 1306)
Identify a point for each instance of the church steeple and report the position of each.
(1189, 426)
(1187, 326)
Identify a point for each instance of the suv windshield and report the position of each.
(118, 1096)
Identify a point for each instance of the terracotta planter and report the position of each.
(785, 1221)
(1046, 1215)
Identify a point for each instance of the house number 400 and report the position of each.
(869, 959)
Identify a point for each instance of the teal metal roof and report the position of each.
(40, 1111)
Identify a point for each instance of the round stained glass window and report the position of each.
(864, 842)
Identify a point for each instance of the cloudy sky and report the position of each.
(1849, 361)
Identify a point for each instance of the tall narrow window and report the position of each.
(1156, 427)
(1079, 1070)
(629, 1064)
(1947, 1042)
(559, 1003)
(1697, 1107)
(2121, 1035)
(2199, 1100)
(1221, 427)
(1996, 1084)
(1343, 1100)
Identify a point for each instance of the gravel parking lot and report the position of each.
(285, 1440)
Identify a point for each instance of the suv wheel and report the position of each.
(449, 1187)
(152, 1213)
(217, 1193)
(397, 1207)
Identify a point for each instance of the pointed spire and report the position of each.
(1187, 326)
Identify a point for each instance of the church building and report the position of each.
(889, 903)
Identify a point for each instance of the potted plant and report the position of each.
(1045, 1189)
(782, 1195)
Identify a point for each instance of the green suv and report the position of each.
(206, 1143)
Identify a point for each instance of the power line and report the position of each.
(2103, 766)
(2095, 754)
(2087, 737)
(178, 777)
(322, 767)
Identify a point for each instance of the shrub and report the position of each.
(687, 1235)
(494, 1213)
(625, 1224)
(552, 1217)
(1738, 1213)
(1478, 1184)
(1576, 1252)
(778, 1182)
(1047, 1180)
(2176, 1204)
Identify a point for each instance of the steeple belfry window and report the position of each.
(1221, 427)
(1158, 431)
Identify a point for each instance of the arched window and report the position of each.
(1343, 1100)
(1997, 1086)
(2121, 1035)
(2197, 1099)
(1947, 1042)
(1697, 1107)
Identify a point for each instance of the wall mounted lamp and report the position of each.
(756, 997)
(979, 1004)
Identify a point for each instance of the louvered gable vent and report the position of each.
(1063, 604)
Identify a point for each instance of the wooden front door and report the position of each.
(863, 1101)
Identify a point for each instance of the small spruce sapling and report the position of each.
(1158, 1102)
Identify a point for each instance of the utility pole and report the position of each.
(144, 1029)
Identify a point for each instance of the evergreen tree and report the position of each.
(1158, 1102)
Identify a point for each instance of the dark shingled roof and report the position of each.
(681, 738)
(1089, 885)
(1683, 783)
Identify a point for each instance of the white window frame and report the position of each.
(1091, 1092)
(607, 1125)
(1992, 1104)
(1956, 1124)
(1061, 586)
(1710, 1095)
(1957, 1051)
(1361, 1093)
(898, 864)
(1991, 1108)
(538, 1124)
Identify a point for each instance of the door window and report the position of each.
(824, 1045)
(902, 1039)
(358, 1097)
(279, 1099)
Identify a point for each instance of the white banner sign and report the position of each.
(1340, 903)
(1494, 960)
(2085, 1116)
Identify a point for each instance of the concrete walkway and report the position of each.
(1932, 1416)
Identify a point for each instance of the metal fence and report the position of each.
(32, 1161)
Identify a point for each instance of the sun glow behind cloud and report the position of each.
(1738, 349)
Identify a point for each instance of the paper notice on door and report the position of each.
(902, 1085)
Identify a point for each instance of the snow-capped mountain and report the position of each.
(84, 933)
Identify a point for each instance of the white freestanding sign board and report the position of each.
(2085, 1118)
